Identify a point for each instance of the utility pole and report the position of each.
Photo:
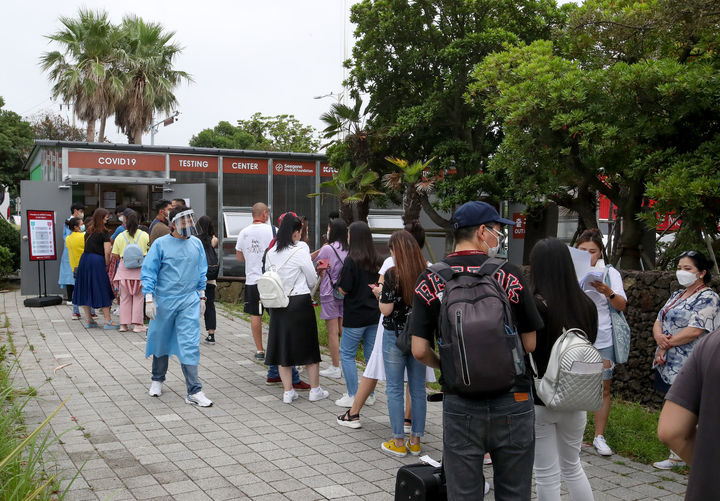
(168, 121)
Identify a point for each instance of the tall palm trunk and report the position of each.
(138, 136)
(90, 131)
(101, 134)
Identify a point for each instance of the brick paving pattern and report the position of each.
(249, 445)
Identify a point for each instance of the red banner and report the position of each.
(518, 231)
(41, 235)
(245, 166)
(293, 168)
(116, 161)
(326, 170)
(192, 163)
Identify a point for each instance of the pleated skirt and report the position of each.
(293, 334)
(92, 284)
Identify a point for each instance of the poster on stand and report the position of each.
(41, 235)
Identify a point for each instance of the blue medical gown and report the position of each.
(66, 274)
(174, 271)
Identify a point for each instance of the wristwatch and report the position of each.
(611, 296)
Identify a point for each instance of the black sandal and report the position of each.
(349, 420)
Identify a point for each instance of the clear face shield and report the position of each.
(184, 223)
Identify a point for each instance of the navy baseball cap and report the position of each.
(475, 214)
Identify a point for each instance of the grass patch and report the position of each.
(632, 432)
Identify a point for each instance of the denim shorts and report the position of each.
(608, 354)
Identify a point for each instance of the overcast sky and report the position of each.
(246, 56)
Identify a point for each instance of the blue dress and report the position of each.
(701, 310)
(174, 271)
(66, 274)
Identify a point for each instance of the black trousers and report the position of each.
(210, 314)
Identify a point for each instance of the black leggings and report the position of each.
(70, 289)
(210, 315)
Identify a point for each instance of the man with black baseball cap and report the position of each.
(501, 424)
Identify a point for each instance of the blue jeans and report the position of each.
(349, 343)
(160, 367)
(273, 373)
(395, 365)
(501, 426)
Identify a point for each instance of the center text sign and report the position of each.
(115, 161)
(245, 166)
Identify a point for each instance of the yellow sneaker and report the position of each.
(393, 449)
(413, 448)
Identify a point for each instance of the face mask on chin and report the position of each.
(686, 278)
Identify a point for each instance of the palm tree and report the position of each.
(146, 58)
(83, 70)
(411, 179)
(352, 186)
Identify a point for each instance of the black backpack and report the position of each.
(212, 260)
(480, 349)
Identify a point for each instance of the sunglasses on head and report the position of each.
(689, 254)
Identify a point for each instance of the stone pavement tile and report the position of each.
(672, 487)
(604, 496)
(203, 474)
(229, 471)
(306, 494)
(148, 492)
(243, 480)
(649, 491)
(600, 484)
(301, 472)
(385, 496)
(141, 481)
(184, 486)
(81, 495)
(192, 496)
(625, 494)
(334, 491)
(168, 477)
(316, 481)
(622, 481)
(259, 490)
(226, 493)
(287, 485)
(672, 497)
(362, 488)
(211, 483)
(160, 468)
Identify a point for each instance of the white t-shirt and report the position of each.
(387, 264)
(252, 242)
(298, 273)
(604, 335)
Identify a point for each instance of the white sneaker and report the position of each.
(155, 389)
(289, 397)
(601, 446)
(314, 397)
(345, 401)
(332, 372)
(668, 464)
(116, 311)
(69, 303)
(198, 398)
(370, 400)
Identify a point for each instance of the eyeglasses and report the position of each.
(689, 254)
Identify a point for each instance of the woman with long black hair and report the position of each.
(562, 305)
(331, 311)
(92, 284)
(360, 306)
(210, 243)
(293, 334)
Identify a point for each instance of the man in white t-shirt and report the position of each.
(251, 245)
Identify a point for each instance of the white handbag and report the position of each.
(573, 380)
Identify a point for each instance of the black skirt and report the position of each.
(293, 334)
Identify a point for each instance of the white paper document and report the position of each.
(586, 274)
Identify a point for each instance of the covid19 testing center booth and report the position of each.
(222, 184)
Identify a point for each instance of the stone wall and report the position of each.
(647, 292)
(230, 291)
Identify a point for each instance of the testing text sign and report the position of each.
(41, 235)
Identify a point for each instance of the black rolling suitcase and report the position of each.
(420, 482)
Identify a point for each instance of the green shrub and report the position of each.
(6, 263)
(10, 239)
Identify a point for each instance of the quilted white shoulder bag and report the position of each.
(573, 380)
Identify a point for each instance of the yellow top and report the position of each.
(141, 238)
(75, 242)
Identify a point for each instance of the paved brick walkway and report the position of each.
(249, 445)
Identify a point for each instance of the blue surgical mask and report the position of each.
(82, 228)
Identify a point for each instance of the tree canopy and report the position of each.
(260, 133)
(49, 125)
(16, 141)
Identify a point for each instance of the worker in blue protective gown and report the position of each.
(173, 281)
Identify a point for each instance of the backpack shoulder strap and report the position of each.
(491, 266)
(443, 271)
(336, 253)
(127, 242)
(288, 259)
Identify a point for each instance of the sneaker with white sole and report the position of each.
(198, 398)
(332, 372)
(413, 449)
(155, 389)
(345, 401)
(601, 446)
(487, 487)
(393, 449)
(370, 400)
(289, 396)
(668, 464)
(315, 396)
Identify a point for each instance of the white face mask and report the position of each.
(121, 218)
(686, 278)
(493, 251)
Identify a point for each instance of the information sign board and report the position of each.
(41, 235)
